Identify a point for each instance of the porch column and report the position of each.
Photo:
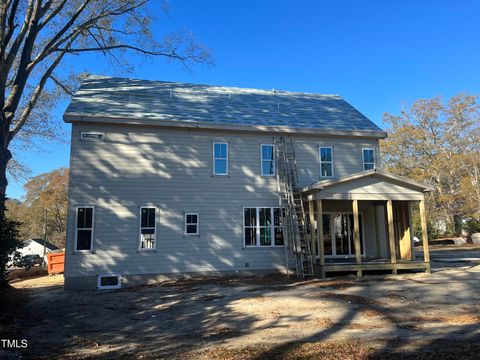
(410, 224)
(391, 236)
(426, 250)
(311, 214)
(321, 247)
(356, 236)
(405, 239)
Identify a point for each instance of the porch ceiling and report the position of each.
(367, 185)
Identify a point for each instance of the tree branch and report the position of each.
(36, 94)
(57, 40)
(172, 54)
(21, 77)
(63, 87)
(17, 42)
(47, 48)
(11, 24)
(52, 14)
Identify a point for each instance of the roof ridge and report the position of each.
(273, 90)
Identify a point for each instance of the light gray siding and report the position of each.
(171, 169)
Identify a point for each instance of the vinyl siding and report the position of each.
(171, 169)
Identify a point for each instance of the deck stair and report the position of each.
(297, 245)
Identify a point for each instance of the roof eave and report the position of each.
(81, 118)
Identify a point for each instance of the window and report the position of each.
(109, 282)
(220, 158)
(368, 159)
(90, 135)
(191, 223)
(262, 226)
(326, 162)
(268, 160)
(84, 228)
(147, 228)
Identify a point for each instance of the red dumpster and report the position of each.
(56, 262)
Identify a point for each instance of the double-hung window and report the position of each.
(191, 223)
(220, 158)
(262, 226)
(368, 159)
(84, 228)
(326, 162)
(267, 160)
(148, 228)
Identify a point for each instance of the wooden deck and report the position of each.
(375, 265)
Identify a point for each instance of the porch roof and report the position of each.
(368, 185)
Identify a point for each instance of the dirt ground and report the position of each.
(409, 316)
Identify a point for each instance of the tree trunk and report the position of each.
(457, 224)
(5, 156)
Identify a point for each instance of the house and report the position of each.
(171, 179)
(35, 247)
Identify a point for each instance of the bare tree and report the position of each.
(38, 36)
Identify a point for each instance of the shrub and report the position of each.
(8, 244)
(472, 226)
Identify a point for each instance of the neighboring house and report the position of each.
(35, 247)
(168, 179)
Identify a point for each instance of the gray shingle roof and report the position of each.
(121, 98)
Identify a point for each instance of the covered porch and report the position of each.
(363, 222)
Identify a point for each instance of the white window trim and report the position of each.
(197, 223)
(374, 159)
(262, 160)
(77, 228)
(219, 158)
(326, 162)
(99, 282)
(83, 133)
(140, 228)
(257, 229)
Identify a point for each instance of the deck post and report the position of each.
(410, 224)
(391, 236)
(321, 246)
(356, 237)
(406, 239)
(426, 250)
(311, 215)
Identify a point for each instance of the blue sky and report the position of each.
(379, 55)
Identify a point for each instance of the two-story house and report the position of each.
(168, 179)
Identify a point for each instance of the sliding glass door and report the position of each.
(338, 234)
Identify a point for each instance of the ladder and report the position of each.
(297, 245)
